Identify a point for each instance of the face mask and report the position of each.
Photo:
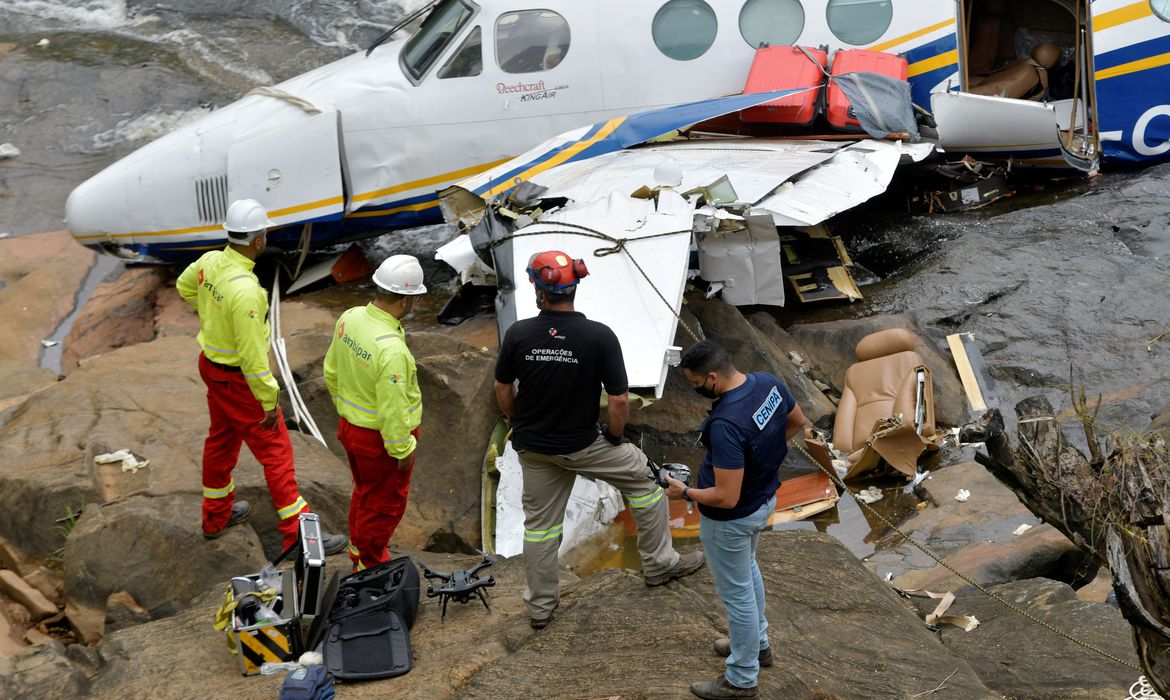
(705, 392)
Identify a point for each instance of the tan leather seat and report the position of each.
(884, 382)
(1023, 79)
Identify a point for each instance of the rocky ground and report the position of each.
(109, 590)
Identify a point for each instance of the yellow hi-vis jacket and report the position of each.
(372, 377)
(233, 310)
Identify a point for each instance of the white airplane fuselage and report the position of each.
(363, 144)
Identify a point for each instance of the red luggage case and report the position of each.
(784, 68)
(840, 113)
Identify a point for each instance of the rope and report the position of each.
(1007, 604)
(1142, 690)
(619, 246)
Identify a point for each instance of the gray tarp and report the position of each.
(882, 104)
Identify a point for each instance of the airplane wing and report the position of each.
(609, 136)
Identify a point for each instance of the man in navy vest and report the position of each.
(746, 436)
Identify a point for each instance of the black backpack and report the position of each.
(369, 622)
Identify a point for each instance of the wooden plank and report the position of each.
(966, 373)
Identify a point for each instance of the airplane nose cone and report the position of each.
(91, 211)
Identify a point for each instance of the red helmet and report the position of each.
(555, 271)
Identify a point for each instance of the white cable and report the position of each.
(300, 411)
(1142, 690)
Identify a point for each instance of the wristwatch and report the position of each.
(687, 496)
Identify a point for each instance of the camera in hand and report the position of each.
(674, 470)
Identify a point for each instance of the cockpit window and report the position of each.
(1161, 8)
(468, 60)
(530, 41)
(432, 37)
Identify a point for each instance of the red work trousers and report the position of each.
(235, 419)
(379, 494)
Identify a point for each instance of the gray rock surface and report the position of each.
(42, 671)
(1022, 659)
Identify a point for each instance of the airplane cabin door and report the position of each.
(294, 170)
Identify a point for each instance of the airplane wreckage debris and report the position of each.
(1114, 505)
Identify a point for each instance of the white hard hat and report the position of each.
(400, 274)
(246, 217)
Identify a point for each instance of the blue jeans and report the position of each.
(730, 546)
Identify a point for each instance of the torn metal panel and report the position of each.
(854, 175)
(745, 262)
(754, 167)
(607, 137)
(636, 289)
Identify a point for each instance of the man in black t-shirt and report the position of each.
(560, 361)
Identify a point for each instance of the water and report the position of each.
(115, 74)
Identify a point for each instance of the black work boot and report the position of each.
(333, 544)
(722, 648)
(241, 511)
(686, 565)
(719, 689)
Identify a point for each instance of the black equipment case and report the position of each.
(369, 622)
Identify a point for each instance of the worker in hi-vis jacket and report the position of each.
(241, 391)
(373, 380)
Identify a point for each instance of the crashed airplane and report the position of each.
(361, 146)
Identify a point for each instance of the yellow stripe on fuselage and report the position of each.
(1134, 66)
(934, 62)
(557, 159)
(912, 35)
(433, 180)
(1122, 15)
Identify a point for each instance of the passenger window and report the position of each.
(468, 60)
(531, 41)
(1161, 8)
(771, 22)
(684, 29)
(859, 21)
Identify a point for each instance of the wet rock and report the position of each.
(40, 275)
(753, 351)
(123, 611)
(1041, 551)
(992, 513)
(33, 600)
(1021, 659)
(42, 671)
(834, 342)
(152, 548)
(120, 312)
